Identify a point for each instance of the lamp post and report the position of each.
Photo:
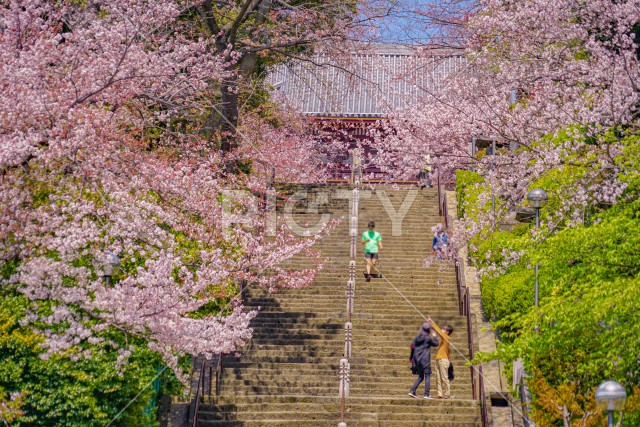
(111, 262)
(611, 396)
(473, 154)
(493, 193)
(513, 96)
(537, 199)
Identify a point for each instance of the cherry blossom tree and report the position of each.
(287, 148)
(252, 34)
(554, 83)
(98, 156)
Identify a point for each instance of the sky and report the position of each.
(418, 21)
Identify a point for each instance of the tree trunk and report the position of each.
(229, 112)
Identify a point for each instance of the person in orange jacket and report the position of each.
(443, 360)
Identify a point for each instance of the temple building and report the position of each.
(347, 96)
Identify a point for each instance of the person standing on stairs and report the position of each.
(443, 359)
(421, 359)
(372, 241)
(424, 176)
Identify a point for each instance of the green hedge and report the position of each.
(467, 190)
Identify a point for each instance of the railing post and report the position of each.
(355, 199)
(483, 398)
(193, 371)
(196, 408)
(467, 313)
(218, 373)
(459, 287)
(445, 210)
(210, 379)
(439, 193)
(347, 340)
(354, 226)
(464, 303)
(350, 298)
(344, 377)
(344, 372)
(473, 382)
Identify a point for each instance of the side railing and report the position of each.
(443, 208)
(206, 386)
(195, 407)
(464, 308)
(218, 375)
(345, 362)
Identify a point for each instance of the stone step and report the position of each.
(393, 303)
(378, 287)
(376, 292)
(334, 421)
(324, 305)
(394, 313)
(362, 341)
(368, 313)
(374, 389)
(306, 384)
(370, 364)
(375, 401)
(360, 337)
(311, 415)
(363, 323)
(360, 367)
(361, 298)
(242, 389)
(342, 274)
(352, 405)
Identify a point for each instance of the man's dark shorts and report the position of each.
(369, 255)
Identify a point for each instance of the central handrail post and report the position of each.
(344, 366)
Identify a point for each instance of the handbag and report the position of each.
(414, 368)
(450, 373)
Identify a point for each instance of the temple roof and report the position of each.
(371, 83)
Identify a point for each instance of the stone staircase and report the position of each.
(288, 374)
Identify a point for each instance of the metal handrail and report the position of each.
(477, 383)
(439, 193)
(483, 399)
(464, 308)
(467, 314)
(218, 374)
(344, 370)
(445, 211)
(196, 409)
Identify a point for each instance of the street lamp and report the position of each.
(611, 396)
(111, 262)
(537, 199)
(514, 96)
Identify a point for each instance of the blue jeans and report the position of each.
(427, 383)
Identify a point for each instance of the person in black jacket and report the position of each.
(421, 358)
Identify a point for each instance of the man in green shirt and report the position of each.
(372, 241)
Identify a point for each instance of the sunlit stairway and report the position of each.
(388, 315)
(288, 374)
